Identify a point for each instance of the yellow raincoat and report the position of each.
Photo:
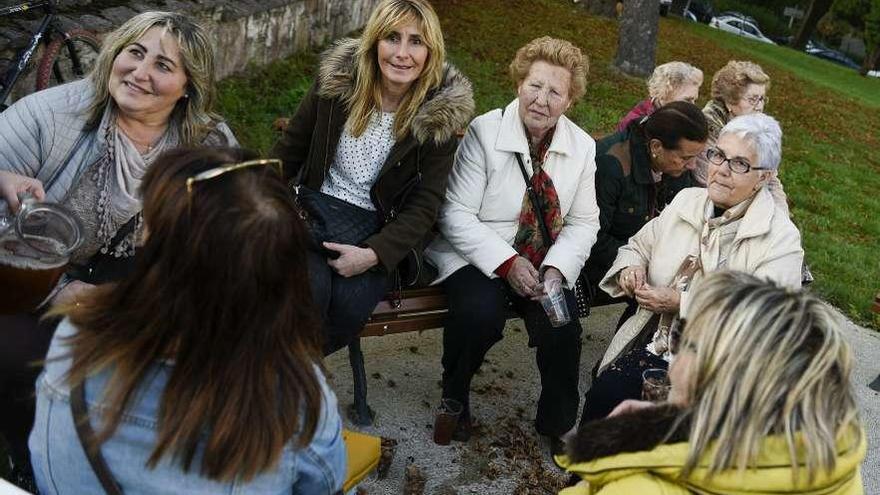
(656, 472)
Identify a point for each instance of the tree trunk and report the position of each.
(605, 8)
(815, 11)
(872, 61)
(679, 6)
(637, 37)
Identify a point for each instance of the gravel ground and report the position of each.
(506, 455)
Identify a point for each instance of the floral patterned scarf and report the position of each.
(529, 241)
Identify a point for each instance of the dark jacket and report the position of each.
(412, 182)
(627, 196)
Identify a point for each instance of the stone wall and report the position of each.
(246, 32)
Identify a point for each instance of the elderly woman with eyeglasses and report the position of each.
(733, 223)
(738, 88)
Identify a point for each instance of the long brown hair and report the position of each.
(221, 289)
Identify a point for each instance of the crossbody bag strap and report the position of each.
(536, 205)
(86, 436)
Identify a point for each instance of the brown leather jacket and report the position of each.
(412, 182)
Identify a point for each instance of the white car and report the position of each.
(739, 26)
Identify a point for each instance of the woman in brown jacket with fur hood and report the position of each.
(377, 130)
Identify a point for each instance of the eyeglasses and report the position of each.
(217, 172)
(738, 165)
(755, 100)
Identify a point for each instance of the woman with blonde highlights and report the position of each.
(498, 248)
(672, 81)
(87, 145)
(375, 136)
(761, 402)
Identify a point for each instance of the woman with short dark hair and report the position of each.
(201, 370)
(638, 172)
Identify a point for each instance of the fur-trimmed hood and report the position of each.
(637, 454)
(639, 431)
(446, 110)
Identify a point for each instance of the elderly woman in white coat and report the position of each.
(492, 251)
(732, 224)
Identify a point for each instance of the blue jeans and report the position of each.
(344, 303)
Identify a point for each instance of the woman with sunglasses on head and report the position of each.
(87, 146)
(761, 402)
(733, 223)
(375, 135)
(200, 372)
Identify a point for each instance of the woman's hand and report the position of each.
(551, 273)
(352, 260)
(658, 299)
(72, 292)
(630, 406)
(631, 278)
(523, 278)
(11, 185)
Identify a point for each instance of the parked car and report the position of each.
(740, 27)
(836, 57)
(664, 6)
(699, 11)
(738, 15)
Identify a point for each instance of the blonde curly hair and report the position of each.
(554, 51)
(729, 83)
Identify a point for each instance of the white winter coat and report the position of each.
(479, 218)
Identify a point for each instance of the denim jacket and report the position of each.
(61, 467)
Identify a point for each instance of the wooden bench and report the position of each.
(415, 310)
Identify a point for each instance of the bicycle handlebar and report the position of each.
(24, 7)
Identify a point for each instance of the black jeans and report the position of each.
(622, 380)
(25, 342)
(344, 304)
(477, 313)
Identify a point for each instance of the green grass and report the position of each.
(831, 166)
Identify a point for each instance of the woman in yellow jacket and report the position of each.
(760, 403)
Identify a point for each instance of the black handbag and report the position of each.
(331, 219)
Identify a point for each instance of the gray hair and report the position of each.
(669, 77)
(762, 133)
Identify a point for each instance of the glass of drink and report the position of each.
(655, 385)
(446, 420)
(35, 246)
(553, 301)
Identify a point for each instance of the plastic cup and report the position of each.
(553, 301)
(446, 420)
(655, 385)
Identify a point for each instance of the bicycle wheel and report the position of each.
(57, 64)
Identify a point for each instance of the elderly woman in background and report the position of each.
(672, 81)
(732, 224)
(638, 172)
(87, 145)
(493, 249)
(377, 132)
(201, 370)
(738, 88)
(761, 402)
